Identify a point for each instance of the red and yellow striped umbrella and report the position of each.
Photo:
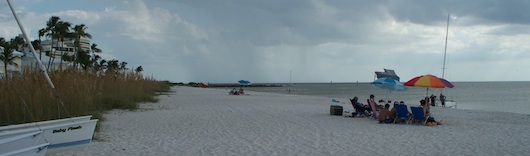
(429, 81)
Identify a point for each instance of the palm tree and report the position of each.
(94, 57)
(42, 32)
(122, 66)
(36, 44)
(17, 42)
(139, 69)
(112, 65)
(94, 48)
(80, 31)
(84, 60)
(94, 62)
(62, 30)
(2, 41)
(7, 53)
(50, 29)
(102, 64)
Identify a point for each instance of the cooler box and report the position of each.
(335, 110)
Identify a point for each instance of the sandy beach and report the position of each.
(204, 121)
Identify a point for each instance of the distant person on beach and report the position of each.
(360, 108)
(393, 112)
(427, 112)
(425, 107)
(373, 106)
(354, 103)
(371, 100)
(426, 99)
(442, 99)
(240, 92)
(433, 100)
(384, 115)
(233, 92)
(380, 104)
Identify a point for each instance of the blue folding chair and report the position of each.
(418, 114)
(402, 113)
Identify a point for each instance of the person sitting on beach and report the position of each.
(371, 102)
(240, 92)
(360, 108)
(393, 112)
(354, 102)
(384, 115)
(233, 92)
(425, 107)
(427, 113)
(380, 104)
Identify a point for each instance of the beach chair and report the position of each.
(418, 114)
(402, 113)
(358, 111)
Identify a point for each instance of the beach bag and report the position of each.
(431, 119)
(431, 124)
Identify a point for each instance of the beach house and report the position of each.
(56, 49)
(67, 46)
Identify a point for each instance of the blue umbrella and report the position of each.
(390, 84)
(244, 82)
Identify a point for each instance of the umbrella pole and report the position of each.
(427, 95)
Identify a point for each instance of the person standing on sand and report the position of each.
(433, 100)
(442, 99)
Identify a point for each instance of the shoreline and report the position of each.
(208, 121)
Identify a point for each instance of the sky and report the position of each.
(297, 41)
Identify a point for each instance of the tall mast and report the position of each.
(445, 52)
(31, 47)
(39, 62)
(290, 76)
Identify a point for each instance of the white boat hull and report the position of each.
(20, 141)
(450, 104)
(44, 123)
(38, 150)
(60, 136)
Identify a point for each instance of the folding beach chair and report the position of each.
(418, 114)
(358, 108)
(402, 113)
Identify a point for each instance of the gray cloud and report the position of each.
(318, 41)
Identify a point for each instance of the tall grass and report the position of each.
(29, 98)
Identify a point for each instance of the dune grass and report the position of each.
(29, 98)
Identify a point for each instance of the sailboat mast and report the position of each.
(43, 69)
(445, 51)
(290, 76)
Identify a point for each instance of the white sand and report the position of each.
(199, 121)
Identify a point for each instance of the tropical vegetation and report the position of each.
(88, 84)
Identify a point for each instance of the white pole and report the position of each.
(42, 68)
(445, 52)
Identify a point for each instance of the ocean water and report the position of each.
(488, 96)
